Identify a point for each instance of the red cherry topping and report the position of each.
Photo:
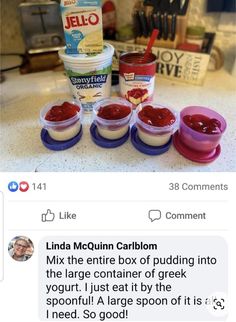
(202, 124)
(156, 116)
(62, 112)
(113, 112)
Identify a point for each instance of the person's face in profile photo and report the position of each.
(21, 250)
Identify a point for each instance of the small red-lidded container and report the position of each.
(137, 78)
(199, 134)
(196, 139)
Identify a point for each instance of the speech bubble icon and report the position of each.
(154, 214)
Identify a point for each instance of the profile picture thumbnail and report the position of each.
(21, 248)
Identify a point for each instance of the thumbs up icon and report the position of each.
(48, 216)
(13, 186)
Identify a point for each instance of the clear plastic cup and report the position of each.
(195, 140)
(112, 129)
(62, 130)
(154, 135)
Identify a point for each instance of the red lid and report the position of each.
(196, 156)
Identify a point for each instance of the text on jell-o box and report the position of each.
(82, 22)
(76, 21)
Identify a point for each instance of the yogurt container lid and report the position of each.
(108, 51)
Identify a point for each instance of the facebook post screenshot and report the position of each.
(117, 247)
(117, 160)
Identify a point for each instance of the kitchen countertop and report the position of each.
(22, 97)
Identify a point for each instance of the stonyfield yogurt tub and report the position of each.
(112, 117)
(89, 75)
(137, 78)
(62, 119)
(155, 123)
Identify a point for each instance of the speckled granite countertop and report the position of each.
(21, 149)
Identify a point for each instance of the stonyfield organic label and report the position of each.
(82, 22)
(91, 86)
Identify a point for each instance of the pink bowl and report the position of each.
(197, 141)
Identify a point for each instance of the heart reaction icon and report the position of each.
(24, 186)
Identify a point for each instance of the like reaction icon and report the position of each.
(23, 186)
(48, 216)
(13, 186)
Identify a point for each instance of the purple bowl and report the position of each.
(200, 141)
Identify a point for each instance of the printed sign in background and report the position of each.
(184, 66)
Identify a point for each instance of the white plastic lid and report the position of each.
(108, 51)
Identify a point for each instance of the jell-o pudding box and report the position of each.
(82, 22)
